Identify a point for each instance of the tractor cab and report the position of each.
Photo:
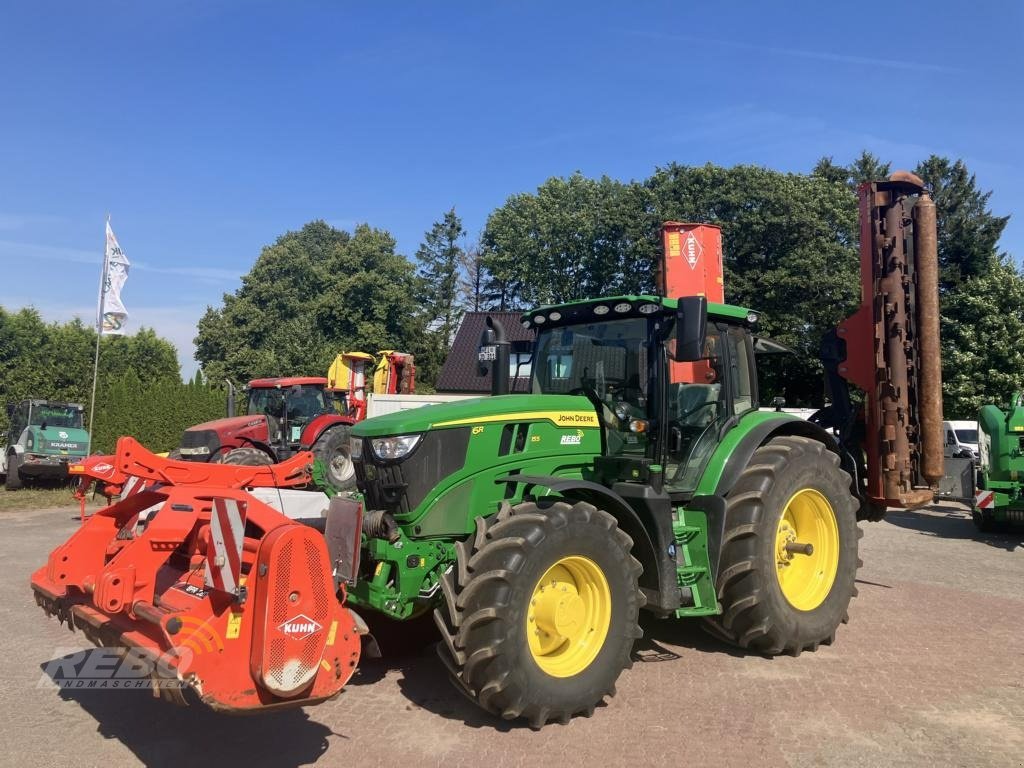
(668, 378)
(43, 437)
(288, 404)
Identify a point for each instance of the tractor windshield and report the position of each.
(303, 402)
(606, 361)
(53, 415)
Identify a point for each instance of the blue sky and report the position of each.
(207, 129)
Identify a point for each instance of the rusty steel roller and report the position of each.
(930, 362)
(891, 347)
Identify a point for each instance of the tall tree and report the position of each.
(790, 252)
(575, 237)
(440, 258)
(827, 169)
(867, 167)
(968, 231)
(980, 322)
(310, 295)
(55, 360)
(474, 277)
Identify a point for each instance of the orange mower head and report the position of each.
(217, 591)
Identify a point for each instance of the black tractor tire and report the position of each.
(984, 523)
(253, 457)
(755, 613)
(484, 617)
(333, 449)
(13, 481)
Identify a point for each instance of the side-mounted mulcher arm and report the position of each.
(215, 590)
(889, 349)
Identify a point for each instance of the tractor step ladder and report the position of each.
(693, 573)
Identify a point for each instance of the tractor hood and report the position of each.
(59, 440)
(562, 410)
(228, 424)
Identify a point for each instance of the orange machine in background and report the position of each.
(691, 266)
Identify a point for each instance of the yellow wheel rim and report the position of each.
(569, 615)
(807, 549)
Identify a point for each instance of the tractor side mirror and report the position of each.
(691, 328)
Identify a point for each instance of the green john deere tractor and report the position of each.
(640, 473)
(539, 525)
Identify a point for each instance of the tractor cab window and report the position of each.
(19, 420)
(57, 416)
(301, 402)
(605, 361)
(701, 397)
(306, 402)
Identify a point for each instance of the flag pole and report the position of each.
(99, 335)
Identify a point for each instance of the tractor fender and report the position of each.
(316, 428)
(648, 523)
(17, 448)
(757, 436)
(248, 442)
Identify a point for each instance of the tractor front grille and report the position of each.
(400, 486)
(199, 444)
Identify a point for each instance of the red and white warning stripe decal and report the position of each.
(132, 486)
(227, 533)
(984, 499)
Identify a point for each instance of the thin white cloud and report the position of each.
(12, 221)
(10, 249)
(210, 274)
(838, 58)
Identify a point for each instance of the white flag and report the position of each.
(115, 316)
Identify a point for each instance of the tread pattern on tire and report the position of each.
(338, 435)
(745, 621)
(477, 591)
(246, 457)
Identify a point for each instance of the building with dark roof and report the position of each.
(460, 374)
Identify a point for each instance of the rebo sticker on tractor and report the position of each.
(638, 473)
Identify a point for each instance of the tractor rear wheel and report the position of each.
(541, 614)
(247, 456)
(332, 449)
(789, 551)
(13, 481)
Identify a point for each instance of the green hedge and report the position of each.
(154, 414)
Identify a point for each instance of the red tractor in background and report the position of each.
(287, 415)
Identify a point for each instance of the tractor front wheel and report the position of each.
(246, 456)
(332, 449)
(541, 613)
(789, 552)
(13, 481)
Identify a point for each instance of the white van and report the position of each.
(961, 438)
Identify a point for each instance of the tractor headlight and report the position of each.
(355, 448)
(392, 448)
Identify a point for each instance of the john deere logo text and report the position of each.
(587, 419)
(300, 627)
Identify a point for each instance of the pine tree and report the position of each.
(828, 170)
(867, 167)
(968, 231)
(471, 283)
(440, 257)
